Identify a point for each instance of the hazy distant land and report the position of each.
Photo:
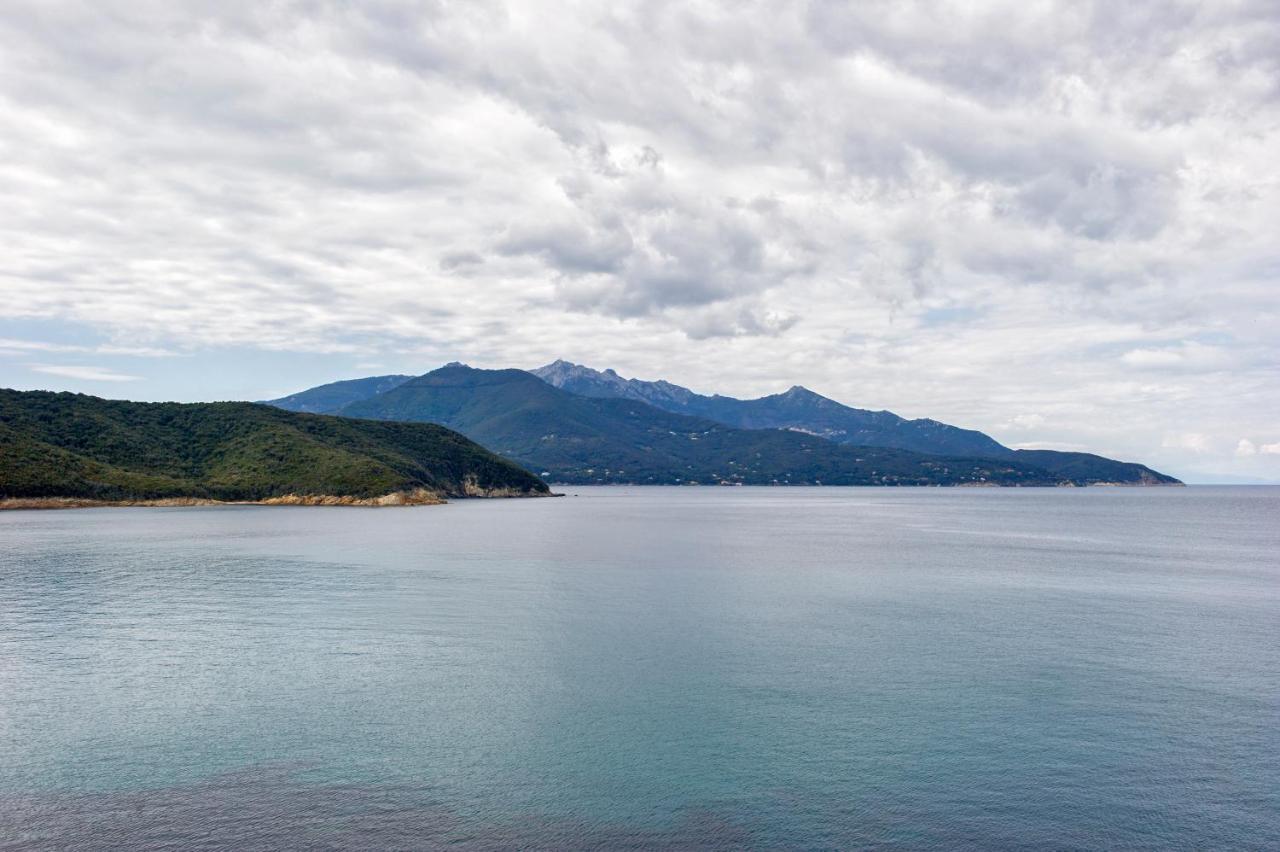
(463, 432)
(575, 425)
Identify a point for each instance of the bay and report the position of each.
(648, 667)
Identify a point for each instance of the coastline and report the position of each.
(416, 497)
(425, 497)
(1136, 484)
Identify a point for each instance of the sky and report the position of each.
(1056, 222)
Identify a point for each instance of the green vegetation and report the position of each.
(1086, 468)
(71, 445)
(803, 410)
(799, 408)
(578, 439)
(622, 430)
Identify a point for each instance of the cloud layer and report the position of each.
(1054, 221)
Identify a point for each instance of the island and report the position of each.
(70, 450)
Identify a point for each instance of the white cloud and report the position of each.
(1246, 448)
(960, 211)
(1064, 446)
(10, 346)
(1188, 355)
(83, 372)
(1270, 449)
(1193, 441)
(1025, 422)
(1152, 358)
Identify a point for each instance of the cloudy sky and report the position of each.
(1058, 222)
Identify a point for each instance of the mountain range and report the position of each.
(64, 445)
(329, 398)
(798, 408)
(802, 410)
(577, 425)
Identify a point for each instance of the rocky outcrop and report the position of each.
(416, 497)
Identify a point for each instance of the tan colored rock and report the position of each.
(416, 497)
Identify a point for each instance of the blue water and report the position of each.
(638, 668)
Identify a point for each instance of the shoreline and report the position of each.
(556, 484)
(41, 503)
(416, 497)
(425, 497)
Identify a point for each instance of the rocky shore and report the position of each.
(416, 497)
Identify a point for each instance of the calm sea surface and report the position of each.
(635, 668)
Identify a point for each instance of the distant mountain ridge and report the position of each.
(329, 398)
(798, 408)
(64, 445)
(801, 409)
(577, 438)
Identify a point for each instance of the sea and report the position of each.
(645, 668)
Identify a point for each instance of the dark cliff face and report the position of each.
(71, 445)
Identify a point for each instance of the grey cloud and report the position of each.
(636, 243)
(716, 322)
(83, 372)
(572, 248)
(674, 182)
(460, 259)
